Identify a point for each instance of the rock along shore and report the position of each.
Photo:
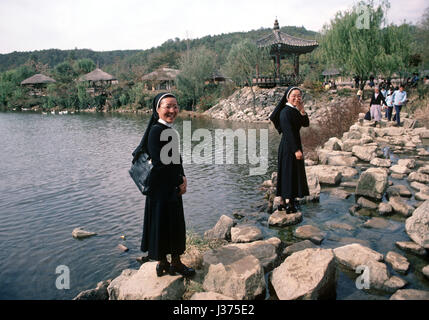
(358, 164)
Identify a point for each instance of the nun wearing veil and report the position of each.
(164, 230)
(288, 118)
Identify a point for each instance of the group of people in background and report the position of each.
(386, 98)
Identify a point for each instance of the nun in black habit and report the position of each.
(164, 230)
(288, 118)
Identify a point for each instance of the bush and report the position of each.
(337, 120)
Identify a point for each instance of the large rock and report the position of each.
(365, 153)
(400, 206)
(299, 246)
(240, 278)
(372, 183)
(411, 247)
(98, 293)
(410, 294)
(333, 144)
(398, 190)
(384, 209)
(339, 193)
(424, 169)
(365, 203)
(342, 161)
(399, 263)
(245, 233)
(222, 229)
(314, 188)
(266, 251)
(379, 162)
(309, 232)
(209, 296)
(400, 169)
(80, 233)
(409, 163)
(417, 226)
(308, 275)
(379, 223)
(281, 219)
(144, 284)
(419, 177)
(354, 255)
(326, 174)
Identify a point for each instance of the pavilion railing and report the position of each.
(284, 81)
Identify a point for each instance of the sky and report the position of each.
(103, 25)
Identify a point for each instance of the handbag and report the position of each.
(367, 116)
(140, 172)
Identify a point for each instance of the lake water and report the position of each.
(62, 172)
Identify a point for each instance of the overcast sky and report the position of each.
(27, 25)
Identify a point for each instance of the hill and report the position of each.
(122, 62)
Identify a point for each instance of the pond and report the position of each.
(59, 172)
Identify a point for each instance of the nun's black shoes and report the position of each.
(281, 207)
(181, 269)
(290, 207)
(161, 268)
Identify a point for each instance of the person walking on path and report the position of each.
(399, 100)
(288, 118)
(164, 230)
(377, 100)
(389, 105)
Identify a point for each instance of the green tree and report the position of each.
(196, 66)
(242, 61)
(64, 72)
(83, 66)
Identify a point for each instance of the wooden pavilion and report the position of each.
(281, 46)
(37, 83)
(161, 79)
(98, 80)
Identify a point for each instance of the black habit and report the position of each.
(164, 230)
(291, 178)
(377, 101)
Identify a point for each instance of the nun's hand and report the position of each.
(299, 155)
(183, 186)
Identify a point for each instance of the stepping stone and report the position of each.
(399, 263)
(282, 219)
(311, 233)
(412, 247)
(302, 245)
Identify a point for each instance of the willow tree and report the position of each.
(353, 39)
(196, 66)
(241, 63)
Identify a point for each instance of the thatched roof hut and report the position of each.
(162, 74)
(37, 79)
(331, 72)
(161, 79)
(97, 75)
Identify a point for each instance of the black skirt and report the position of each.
(291, 177)
(164, 230)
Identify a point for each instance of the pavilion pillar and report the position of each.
(296, 64)
(278, 65)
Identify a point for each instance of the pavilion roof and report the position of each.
(97, 75)
(286, 43)
(37, 79)
(162, 74)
